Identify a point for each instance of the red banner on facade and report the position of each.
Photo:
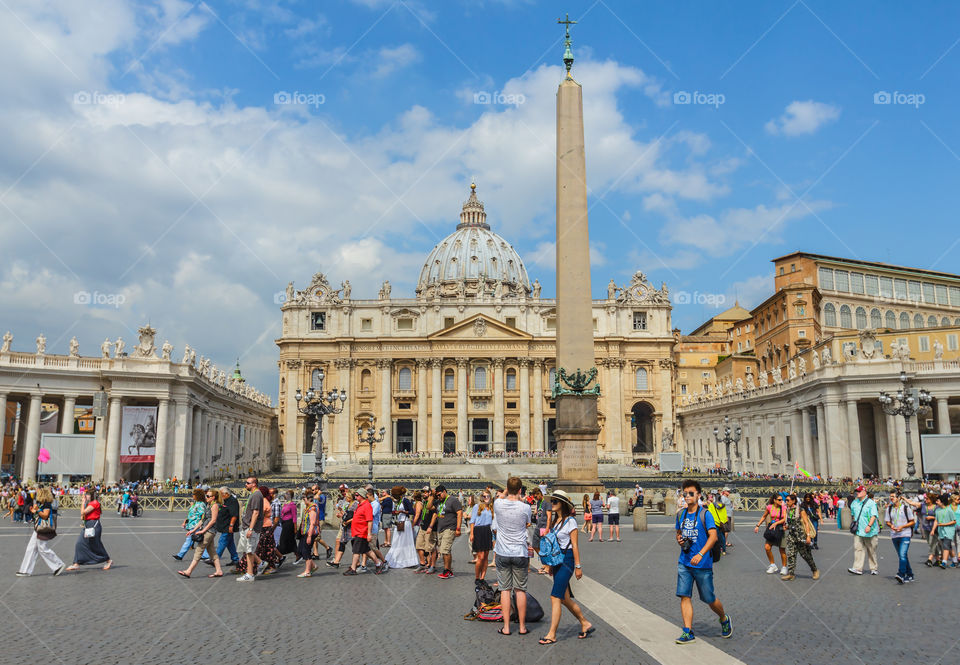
(134, 459)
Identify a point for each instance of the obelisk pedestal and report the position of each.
(576, 389)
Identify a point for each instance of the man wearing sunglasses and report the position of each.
(251, 524)
(696, 536)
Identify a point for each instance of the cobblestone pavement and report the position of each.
(141, 612)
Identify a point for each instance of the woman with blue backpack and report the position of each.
(559, 550)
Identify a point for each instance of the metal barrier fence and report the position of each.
(109, 502)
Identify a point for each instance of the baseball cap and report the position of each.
(861, 488)
(343, 486)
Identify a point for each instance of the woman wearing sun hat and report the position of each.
(565, 528)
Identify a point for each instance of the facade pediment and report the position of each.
(480, 326)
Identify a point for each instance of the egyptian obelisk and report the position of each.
(576, 389)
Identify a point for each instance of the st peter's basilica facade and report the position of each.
(467, 365)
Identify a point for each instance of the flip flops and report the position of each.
(545, 641)
(183, 574)
(585, 634)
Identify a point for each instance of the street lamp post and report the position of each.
(318, 404)
(730, 435)
(908, 402)
(371, 438)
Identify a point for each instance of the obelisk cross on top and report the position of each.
(567, 53)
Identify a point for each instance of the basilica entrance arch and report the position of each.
(642, 439)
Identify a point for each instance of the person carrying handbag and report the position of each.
(43, 532)
(799, 538)
(866, 529)
(89, 549)
(776, 518)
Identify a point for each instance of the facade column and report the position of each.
(880, 440)
(386, 403)
(421, 439)
(160, 456)
(839, 458)
(897, 463)
(499, 428)
(539, 431)
(181, 437)
(822, 459)
(462, 403)
(806, 443)
(115, 423)
(198, 444)
(292, 445)
(853, 439)
(436, 415)
(943, 415)
(32, 447)
(796, 440)
(344, 423)
(67, 415)
(524, 443)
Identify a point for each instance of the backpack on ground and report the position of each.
(487, 603)
(534, 610)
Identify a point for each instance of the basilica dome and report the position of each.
(473, 261)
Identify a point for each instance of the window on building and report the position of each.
(511, 379)
(748, 327)
(738, 332)
(942, 298)
(801, 333)
(886, 287)
(918, 320)
(829, 315)
(952, 343)
(366, 381)
(449, 380)
(900, 289)
(846, 319)
(318, 320)
(924, 342)
(928, 293)
(914, 290)
(552, 377)
(448, 321)
(793, 267)
(480, 378)
(705, 375)
(856, 282)
(404, 378)
(781, 270)
(641, 378)
(366, 325)
(890, 319)
(826, 279)
(405, 323)
(704, 361)
(449, 405)
(842, 279)
(931, 321)
(872, 285)
(739, 346)
(683, 389)
(955, 296)
(956, 321)
(639, 320)
(876, 321)
(861, 318)
(945, 321)
(511, 405)
(449, 443)
(315, 382)
(512, 321)
(403, 405)
(904, 320)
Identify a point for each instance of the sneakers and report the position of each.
(19, 574)
(332, 564)
(349, 571)
(419, 568)
(874, 572)
(362, 569)
(329, 552)
(378, 569)
(445, 575)
(726, 626)
(686, 637)
(816, 574)
(280, 563)
(909, 579)
(430, 571)
(385, 567)
(59, 570)
(787, 577)
(854, 571)
(177, 557)
(899, 579)
(246, 577)
(783, 571)
(262, 567)
(771, 569)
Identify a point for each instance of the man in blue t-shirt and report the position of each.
(696, 535)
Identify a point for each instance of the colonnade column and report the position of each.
(797, 437)
(181, 437)
(806, 441)
(943, 415)
(344, 427)
(499, 430)
(32, 447)
(839, 458)
(198, 442)
(160, 454)
(524, 443)
(822, 443)
(386, 412)
(462, 403)
(897, 466)
(436, 415)
(853, 439)
(422, 444)
(115, 418)
(537, 397)
(67, 415)
(880, 439)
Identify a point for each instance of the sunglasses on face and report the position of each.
(689, 493)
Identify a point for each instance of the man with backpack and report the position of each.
(901, 520)
(697, 538)
(513, 549)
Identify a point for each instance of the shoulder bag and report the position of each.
(46, 527)
(855, 524)
(774, 535)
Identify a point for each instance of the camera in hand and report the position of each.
(686, 544)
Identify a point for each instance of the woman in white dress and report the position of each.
(403, 553)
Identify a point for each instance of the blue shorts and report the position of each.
(686, 576)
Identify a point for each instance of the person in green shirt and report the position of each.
(946, 526)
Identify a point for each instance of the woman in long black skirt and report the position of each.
(90, 550)
(288, 519)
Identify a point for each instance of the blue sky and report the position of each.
(146, 155)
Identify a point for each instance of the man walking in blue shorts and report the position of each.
(696, 535)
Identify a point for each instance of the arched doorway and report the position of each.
(449, 443)
(642, 423)
(512, 441)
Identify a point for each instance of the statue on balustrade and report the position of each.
(7, 341)
(105, 348)
(74, 348)
(41, 345)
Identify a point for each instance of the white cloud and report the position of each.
(803, 118)
(391, 59)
